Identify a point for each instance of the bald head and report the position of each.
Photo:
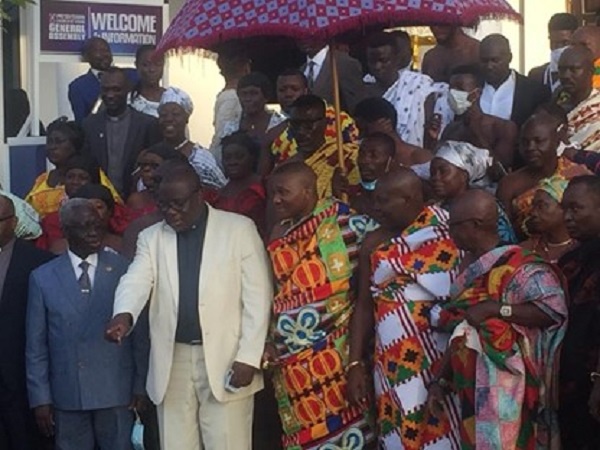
(180, 172)
(474, 221)
(588, 36)
(496, 41)
(300, 172)
(579, 53)
(398, 199)
(403, 182)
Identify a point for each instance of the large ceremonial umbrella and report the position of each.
(204, 24)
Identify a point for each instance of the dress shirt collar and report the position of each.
(509, 83)
(319, 58)
(9, 245)
(119, 118)
(96, 73)
(76, 260)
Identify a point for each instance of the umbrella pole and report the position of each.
(337, 106)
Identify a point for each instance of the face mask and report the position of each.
(459, 101)
(368, 185)
(555, 57)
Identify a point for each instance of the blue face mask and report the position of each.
(368, 185)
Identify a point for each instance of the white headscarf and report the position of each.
(179, 96)
(473, 160)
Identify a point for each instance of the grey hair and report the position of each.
(72, 208)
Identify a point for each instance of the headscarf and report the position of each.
(473, 160)
(179, 96)
(87, 164)
(554, 186)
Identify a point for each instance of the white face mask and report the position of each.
(555, 57)
(459, 101)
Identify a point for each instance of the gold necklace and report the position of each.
(559, 244)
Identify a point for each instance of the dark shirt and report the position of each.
(117, 129)
(190, 244)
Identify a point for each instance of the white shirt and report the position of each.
(499, 102)
(91, 259)
(318, 60)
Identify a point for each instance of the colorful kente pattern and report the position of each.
(505, 374)
(314, 265)
(409, 275)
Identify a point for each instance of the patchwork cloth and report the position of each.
(285, 146)
(409, 275)
(506, 374)
(314, 265)
(584, 123)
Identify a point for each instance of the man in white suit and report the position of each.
(206, 274)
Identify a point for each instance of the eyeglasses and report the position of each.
(2, 219)
(308, 123)
(180, 205)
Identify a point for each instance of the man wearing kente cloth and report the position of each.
(307, 124)
(406, 267)
(581, 98)
(314, 253)
(507, 317)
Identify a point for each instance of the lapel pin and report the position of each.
(101, 135)
(108, 268)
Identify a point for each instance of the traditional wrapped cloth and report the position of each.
(506, 374)
(565, 170)
(409, 275)
(554, 187)
(285, 146)
(178, 96)
(476, 161)
(314, 265)
(28, 220)
(584, 123)
(473, 160)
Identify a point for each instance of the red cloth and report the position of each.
(51, 230)
(251, 203)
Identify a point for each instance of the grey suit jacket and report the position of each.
(350, 77)
(69, 363)
(143, 132)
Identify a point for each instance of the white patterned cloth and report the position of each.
(145, 106)
(473, 160)
(408, 95)
(178, 96)
(28, 220)
(206, 166)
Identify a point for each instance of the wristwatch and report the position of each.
(506, 311)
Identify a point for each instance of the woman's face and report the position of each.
(74, 179)
(148, 163)
(59, 148)
(150, 68)
(447, 180)
(237, 162)
(102, 209)
(546, 214)
(252, 99)
(172, 120)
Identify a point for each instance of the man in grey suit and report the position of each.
(317, 70)
(80, 386)
(116, 135)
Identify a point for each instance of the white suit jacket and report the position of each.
(235, 295)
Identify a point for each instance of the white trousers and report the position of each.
(190, 418)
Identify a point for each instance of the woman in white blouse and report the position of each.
(146, 95)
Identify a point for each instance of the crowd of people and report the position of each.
(431, 281)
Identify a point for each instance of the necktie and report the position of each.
(84, 279)
(311, 74)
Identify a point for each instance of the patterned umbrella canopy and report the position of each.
(207, 23)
